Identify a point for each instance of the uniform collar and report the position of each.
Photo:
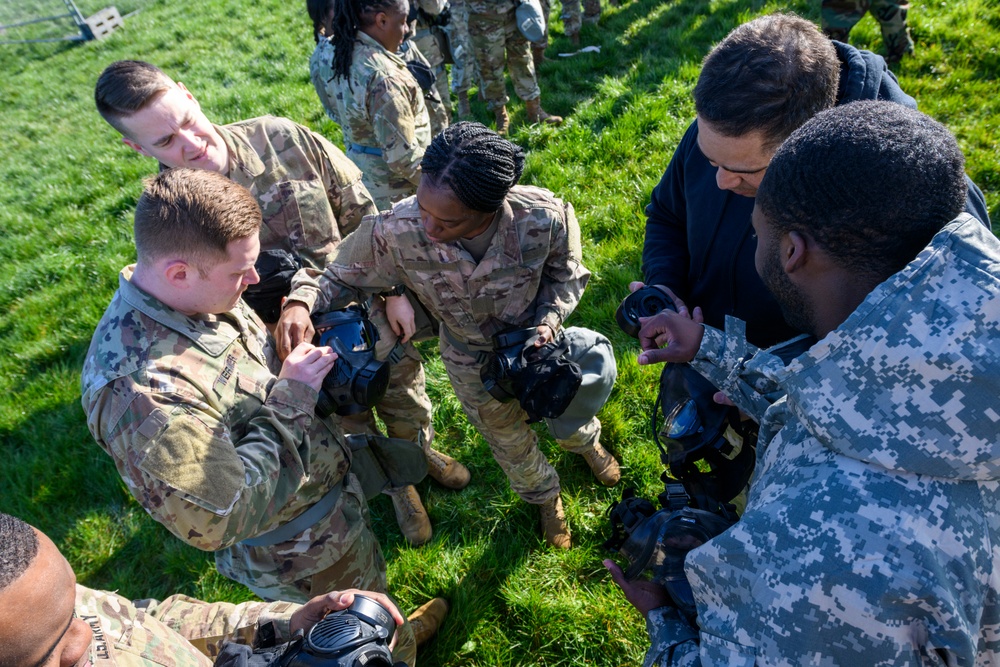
(369, 41)
(205, 334)
(244, 163)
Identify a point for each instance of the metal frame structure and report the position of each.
(97, 26)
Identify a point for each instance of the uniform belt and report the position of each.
(310, 517)
(358, 148)
(477, 352)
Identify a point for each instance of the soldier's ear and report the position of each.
(794, 249)
(178, 273)
(134, 146)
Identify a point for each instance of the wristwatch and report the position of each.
(398, 290)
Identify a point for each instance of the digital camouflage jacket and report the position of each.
(531, 274)
(212, 444)
(871, 532)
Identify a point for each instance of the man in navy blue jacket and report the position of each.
(762, 82)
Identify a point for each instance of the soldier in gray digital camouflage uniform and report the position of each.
(180, 389)
(484, 256)
(496, 41)
(47, 620)
(871, 527)
(837, 17)
(311, 196)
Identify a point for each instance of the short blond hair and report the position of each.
(193, 215)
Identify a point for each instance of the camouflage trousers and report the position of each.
(463, 69)
(431, 48)
(572, 17)
(361, 566)
(513, 443)
(496, 40)
(839, 16)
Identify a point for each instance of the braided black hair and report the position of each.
(317, 12)
(350, 16)
(476, 163)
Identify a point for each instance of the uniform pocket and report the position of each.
(719, 652)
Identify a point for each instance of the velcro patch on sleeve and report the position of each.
(186, 455)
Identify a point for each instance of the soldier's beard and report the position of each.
(795, 307)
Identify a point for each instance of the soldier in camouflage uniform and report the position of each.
(310, 194)
(213, 437)
(42, 611)
(869, 536)
(424, 37)
(496, 41)
(837, 17)
(379, 104)
(510, 258)
(463, 68)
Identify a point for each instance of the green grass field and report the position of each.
(68, 187)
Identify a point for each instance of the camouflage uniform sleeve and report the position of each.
(348, 196)
(673, 643)
(395, 128)
(364, 265)
(185, 464)
(210, 625)
(749, 376)
(564, 276)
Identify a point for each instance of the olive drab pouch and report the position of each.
(382, 463)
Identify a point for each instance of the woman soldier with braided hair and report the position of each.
(365, 86)
(484, 255)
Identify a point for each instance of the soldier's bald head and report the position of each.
(193, 214)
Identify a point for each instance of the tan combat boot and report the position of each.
(554, 523)
(503, 120)
(603, 465)
(427, 619)
(411, 515)
(446, 471)
(538, 54)
(464, 110)
(536, 114)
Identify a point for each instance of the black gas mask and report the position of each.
(539, 378)
(707, 471)
(357, 380)
(358, 636)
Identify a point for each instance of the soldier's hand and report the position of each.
(312, 612)
(641, 594)
(399, 312)
(545, 334)
(669, 336)
(294, 326)
(308, 364)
